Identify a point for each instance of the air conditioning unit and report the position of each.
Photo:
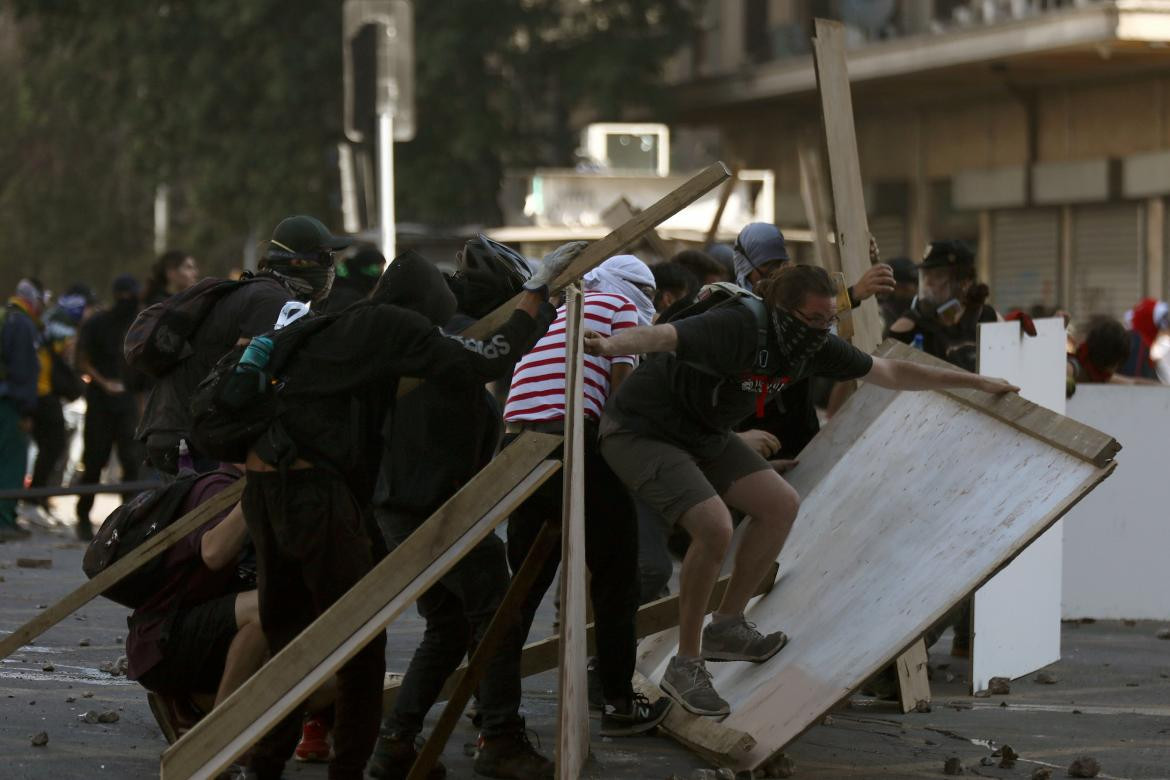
(629, 146)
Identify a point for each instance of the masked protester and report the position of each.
(667, 434)
(297, 265)
(949, 306)
(894, 304)
(356, 277)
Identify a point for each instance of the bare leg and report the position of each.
(772, 504)
(249, 648)
(709, 525)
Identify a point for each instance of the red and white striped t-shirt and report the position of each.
(538, 382)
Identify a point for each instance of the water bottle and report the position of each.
(185, 459)
(255, 357)
(247, 380)
(917, 343)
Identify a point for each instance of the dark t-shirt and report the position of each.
(669, 399)
(188, 581)
(957, 344)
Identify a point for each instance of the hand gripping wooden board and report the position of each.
(910, 502)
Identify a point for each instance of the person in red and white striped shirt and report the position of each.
(618, 295)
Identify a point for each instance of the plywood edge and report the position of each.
(1064, 433)
(709, 738)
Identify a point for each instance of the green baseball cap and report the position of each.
(305, 234)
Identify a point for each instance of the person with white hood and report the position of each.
(619, 294)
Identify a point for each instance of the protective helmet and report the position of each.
(483, 254)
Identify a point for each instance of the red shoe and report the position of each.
(314, 744)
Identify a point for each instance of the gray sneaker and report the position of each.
(689, 683)
(738, 640)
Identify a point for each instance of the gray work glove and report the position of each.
(554, 264)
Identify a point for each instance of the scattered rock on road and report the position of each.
(1007, 757)
(1163, 633)
(953, 766)
(1046, 678)
(1041, 773)
(109, 716)
(83, 643)
(999, 686)
(48, 668)
(1085, 766)
(89, 717)
(40, 740)
(34, 563)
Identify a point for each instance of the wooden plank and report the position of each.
(140, 555)
(706, 736)
(379, 597)
(1056, 430)
(604, 248)
(844, 307)
(507, 614)
(816, 206)
(622, 211)
(913, 682)
(845, 172)
(881, 560)
(543, 655)
(724, 196)
(573, 698)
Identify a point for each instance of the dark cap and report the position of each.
(305, 234)
(367, 261)
(948, 254)
(904, 269)
(125, 284)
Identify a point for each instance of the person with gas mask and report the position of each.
(949, 306)
(297, 265)
(667, 434)
(893, 304)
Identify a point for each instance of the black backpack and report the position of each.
(720, 294)
(129, 526)
(160, 337)
(231, 410)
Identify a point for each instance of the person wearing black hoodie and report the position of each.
(313, 471)
(111, 405)
(356, 277)
(434, 441)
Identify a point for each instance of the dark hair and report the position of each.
(673, 277)
(1107, 342)
(700, 264)
(793, 282)
(156, 285)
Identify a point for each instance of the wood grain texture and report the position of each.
(706, 736)
(623, 211)
(910, 502)
(845, 172)
(133, 561)
(815, 196)
(1057, 430)
(342, 630)
(724, 196)
(913, 682)
(604, 248)
(572, 692)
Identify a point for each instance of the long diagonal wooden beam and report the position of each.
(140, 555)
(357, 617)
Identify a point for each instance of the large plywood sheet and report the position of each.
(911, 501)
(1017, 613)
(1115, 542)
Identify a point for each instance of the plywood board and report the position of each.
(342, 630)
(910, 502)
(1115, 541)
(845, 172)
(1016, 615)
(572, 692)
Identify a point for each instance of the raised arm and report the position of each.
(904, 375)
(633, 341)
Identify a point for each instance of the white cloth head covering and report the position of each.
(622, 275)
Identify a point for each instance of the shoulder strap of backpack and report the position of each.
(760, 311)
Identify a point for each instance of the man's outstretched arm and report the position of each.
(905, 375)
(633, 341)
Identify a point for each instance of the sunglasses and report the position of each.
(817, 321)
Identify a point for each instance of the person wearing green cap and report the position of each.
(356, 277)
(297, 264)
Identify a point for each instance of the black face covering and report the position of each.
(308, 281)
(797, 341)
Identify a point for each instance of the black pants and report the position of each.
(109, 423)
(457, 611)
(611, 553)
(311, 547)
(49, 434)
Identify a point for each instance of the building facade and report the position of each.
(1039, 131)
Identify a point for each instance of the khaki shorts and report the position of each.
(671, 480)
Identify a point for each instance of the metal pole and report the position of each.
(386, 184)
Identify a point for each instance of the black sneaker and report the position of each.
(596, 692)
(641, 716)
(512, 757)
(393, 757)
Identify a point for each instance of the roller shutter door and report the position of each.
(889, 231)
(1025, 258)
(1106, 259)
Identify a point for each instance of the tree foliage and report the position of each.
(237, 107)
